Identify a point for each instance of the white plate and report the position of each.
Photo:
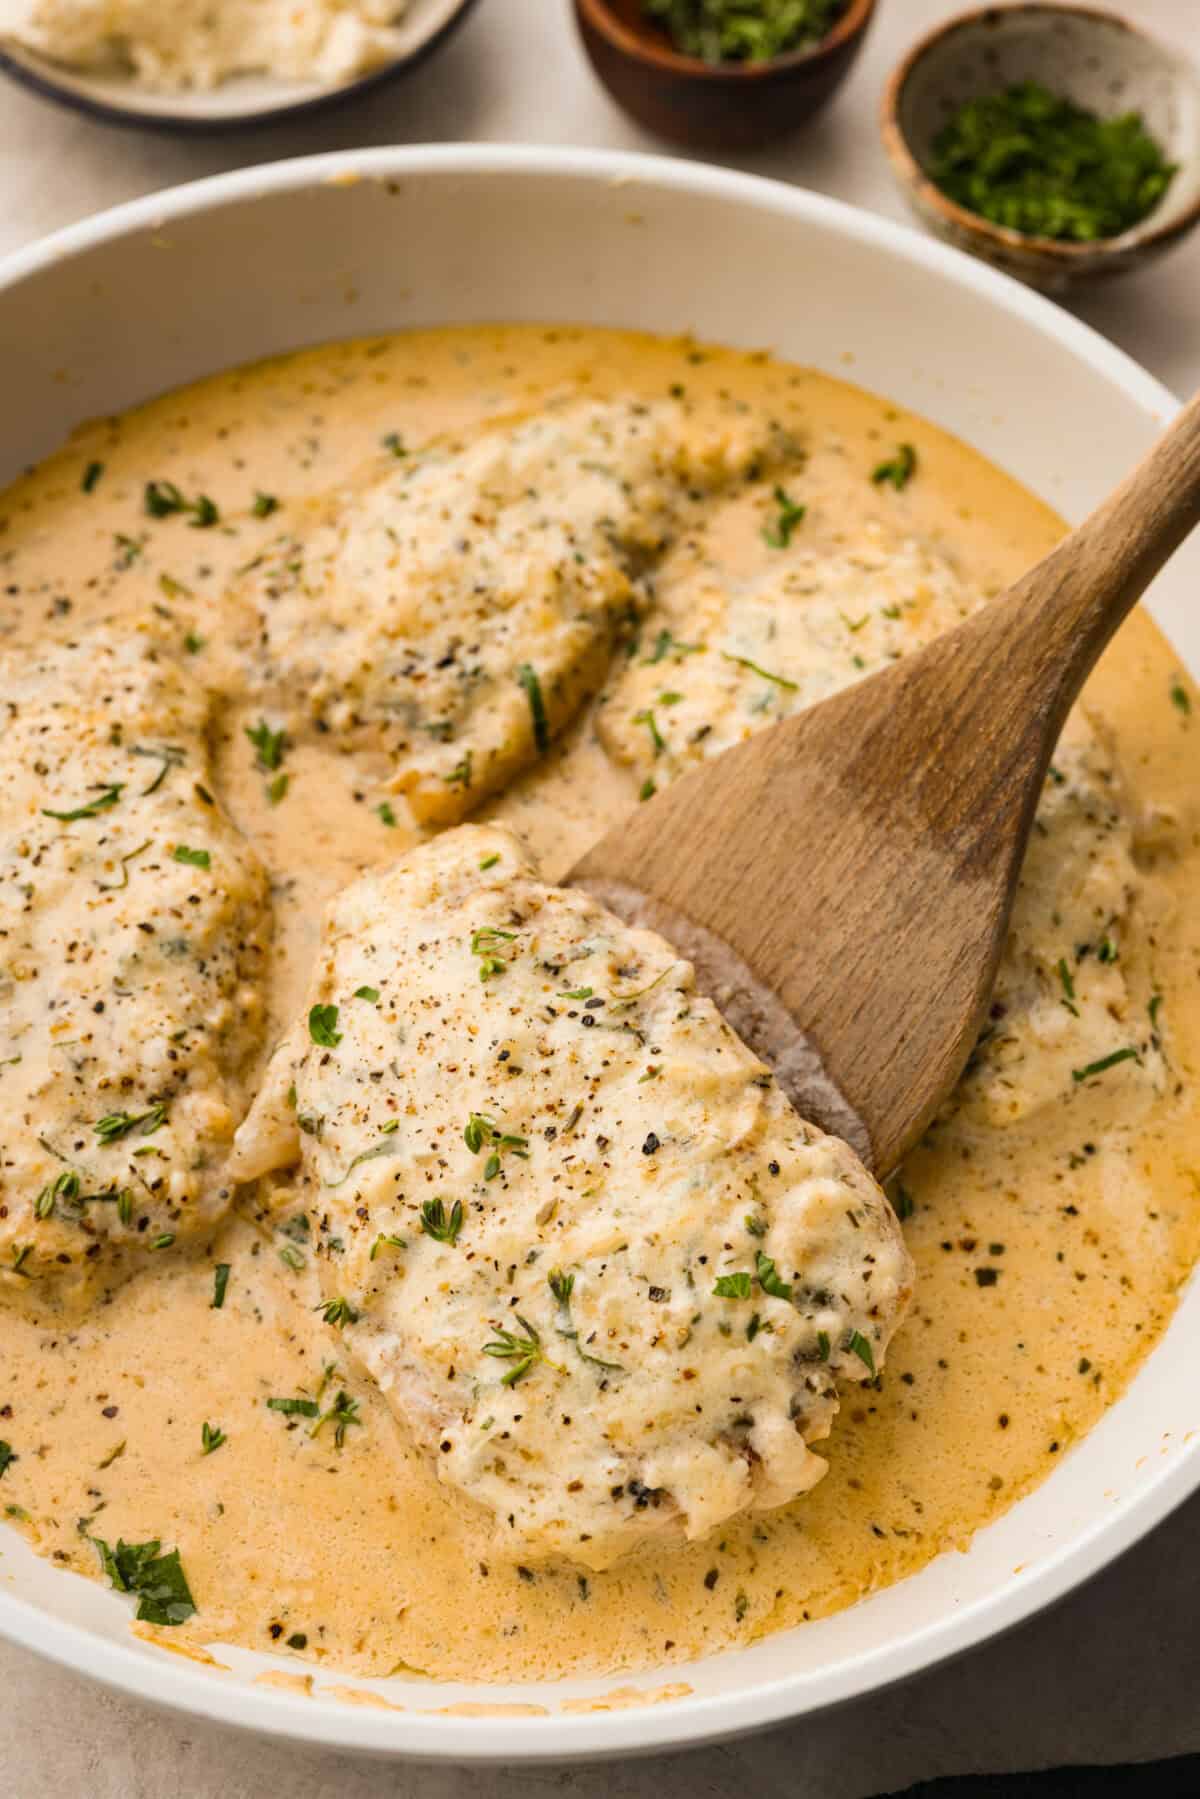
(248, 100)
(265, 260)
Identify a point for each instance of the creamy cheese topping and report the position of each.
(133, 934)
(450, 615)
(199, 43)
(570, 1224)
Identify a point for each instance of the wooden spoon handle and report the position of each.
(1070, 605)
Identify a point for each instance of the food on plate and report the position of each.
(201, 43)
(249, 1421)
(448, 615)
(584, 1245)
(134, 925)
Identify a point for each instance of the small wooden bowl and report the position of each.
(714, 106)
(1095, 58)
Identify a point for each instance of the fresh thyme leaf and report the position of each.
(91, 476)
(8, 1456)
(561, 1285)
(158, 1580)
(383, 1242)
(220, 1283)
(858, 1345)
(169, 756)
(393, 441)
(194, 858)
(341, 1414)
(898, 470)
(277, 789)
(1181, 699)
(779, 535)
(294, 1408)
(768, 1278)
(1153, 1009)
(268, 745)
(211, 1437)
(755, 1225)
(648, 719)
(385, 812)
(527, 676)
(1108, 951)
(64, 1186)
(337, 1312)
(119, 1124)
(483, 1132)
(488, 862)
(90, 808)
(522, 1352)
(823, 1345)
(1105, 1062)
(322, 1026)
(765, 673)
(264, 505)
(460, 774)
(734, 1286)
(575, 993)
(370, 994)
(439, 1225)
(666, 644)
(483, 945)
(164, 1241)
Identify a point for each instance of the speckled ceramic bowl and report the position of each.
(1097, 59)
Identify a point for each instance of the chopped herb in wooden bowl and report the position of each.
(744, 30)
(1035, 162)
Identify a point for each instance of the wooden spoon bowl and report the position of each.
(843, 881)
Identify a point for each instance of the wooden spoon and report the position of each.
(843, 881)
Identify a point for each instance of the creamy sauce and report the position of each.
(1079, 1211)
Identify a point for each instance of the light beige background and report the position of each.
(1112, 1674)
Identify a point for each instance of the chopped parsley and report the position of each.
(370, 994)
(527, 676)
(269, 745)
(768, 1278)
(898, 471)
(743, 30)
(162, 498)
(858, 1345)
(734, 1286)
(322, 1026)
(779, 535)
(194, 858)
(1033, 161)
(443, 1227)
(158, 1580)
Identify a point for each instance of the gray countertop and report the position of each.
(1108, 1676)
